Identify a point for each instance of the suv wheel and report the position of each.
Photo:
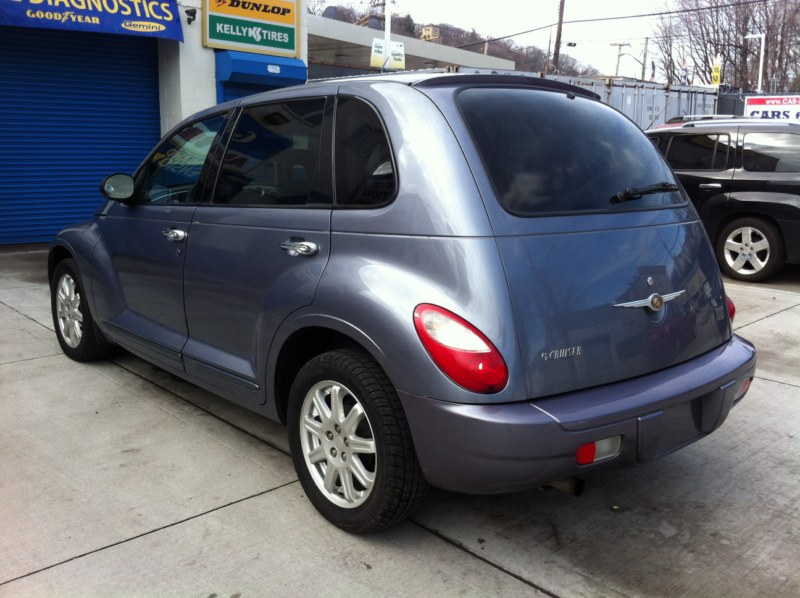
(350, 443)
(750, 249)
(77, 334)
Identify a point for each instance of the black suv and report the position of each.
(744, 179)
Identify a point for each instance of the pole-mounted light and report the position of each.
(760, 36)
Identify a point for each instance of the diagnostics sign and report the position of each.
(260, 26)
(153, 18)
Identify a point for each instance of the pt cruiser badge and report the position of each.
(654, 302)
(561, 353)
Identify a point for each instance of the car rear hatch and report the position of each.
(610, 272)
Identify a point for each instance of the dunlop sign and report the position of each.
(260, 26)
(152, 18)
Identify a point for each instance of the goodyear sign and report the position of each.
(152, 18)
(260, 26)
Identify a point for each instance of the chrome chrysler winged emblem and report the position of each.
(654, 302)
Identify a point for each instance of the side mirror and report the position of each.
(118, 187)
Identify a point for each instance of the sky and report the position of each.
(593, 40)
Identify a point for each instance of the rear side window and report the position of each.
(548, 152)
(771, 152)
(365, 173)
(699, 152)
(273, 157)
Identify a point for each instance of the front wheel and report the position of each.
(77, 334)
(750, 249)
(351, 445)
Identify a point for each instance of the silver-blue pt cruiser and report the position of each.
(483, 283)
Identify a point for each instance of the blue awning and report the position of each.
(259, 69)
(149, 19)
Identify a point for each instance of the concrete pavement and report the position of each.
(117, 479)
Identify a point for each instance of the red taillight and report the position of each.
(460, 350)
(586, 454)
(599, 450)
(731, 307)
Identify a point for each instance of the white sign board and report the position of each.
(785, 108)
(396, 59)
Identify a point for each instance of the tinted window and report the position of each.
(698, 152)
(549, 152)
(273, 157)
(771, 152)
(172, 173)
(365, 175)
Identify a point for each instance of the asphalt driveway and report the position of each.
(117, 479)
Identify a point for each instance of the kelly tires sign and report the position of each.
(256, 26)
(785, 108)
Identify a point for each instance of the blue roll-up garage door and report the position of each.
(74, 107)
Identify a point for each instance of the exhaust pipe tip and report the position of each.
(574, 485)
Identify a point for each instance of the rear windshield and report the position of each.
(549, 152)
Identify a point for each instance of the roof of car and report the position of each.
(420, 78)
(435, 77)
(727, 124)
(690, 117)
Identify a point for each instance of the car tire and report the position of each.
(76, 331)
(750, 249)
(351, 444)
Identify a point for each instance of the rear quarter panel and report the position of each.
(432, 244)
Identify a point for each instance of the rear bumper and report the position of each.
(483, 449)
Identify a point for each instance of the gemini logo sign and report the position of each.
(257, 26)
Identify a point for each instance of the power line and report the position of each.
(620, 18)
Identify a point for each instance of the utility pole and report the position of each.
(557, 50)
(387, 31)
(619, 55)
(644, 58)
(387, 26)
(547, 58)
(759, 36)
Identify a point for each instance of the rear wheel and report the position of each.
(75, 329)
(351, 445)
(750, 249)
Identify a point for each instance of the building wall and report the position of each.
(186, 72)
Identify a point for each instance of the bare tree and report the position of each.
(703, 31)
(315, 7)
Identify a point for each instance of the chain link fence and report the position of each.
(321, 70)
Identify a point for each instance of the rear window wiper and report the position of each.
(637, 192)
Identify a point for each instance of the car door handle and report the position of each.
(710, 186)
(174, 234)
(295, 247)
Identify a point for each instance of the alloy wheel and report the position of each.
(338, 444)
(68, 311)
(747, 250)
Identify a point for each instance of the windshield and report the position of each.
(549, 152)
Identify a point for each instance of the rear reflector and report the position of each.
(744, 386)
(599, 450)
(731, 307)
